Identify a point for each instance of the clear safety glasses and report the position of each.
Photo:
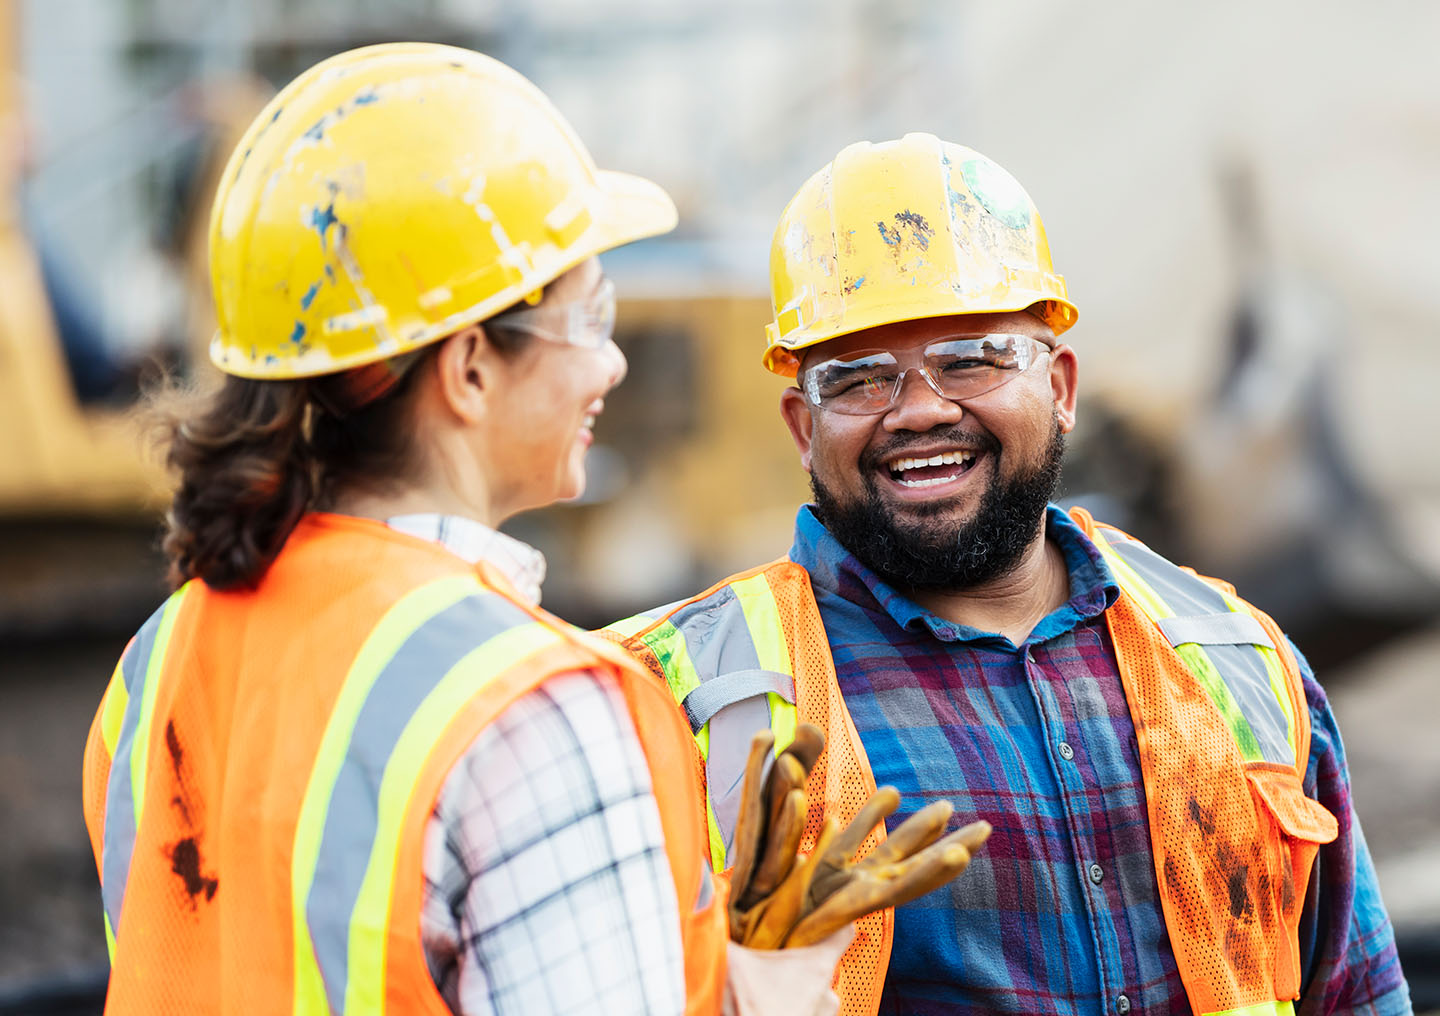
(957, 367)
(588, 323)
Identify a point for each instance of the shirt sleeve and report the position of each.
(1347, 944)
(547, 885)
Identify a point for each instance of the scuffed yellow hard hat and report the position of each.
(395, 194)
(903, 230)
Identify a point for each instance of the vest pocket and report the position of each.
(1294, 827)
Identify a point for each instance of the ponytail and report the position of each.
(246, 478)
(254, 456)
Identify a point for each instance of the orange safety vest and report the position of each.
(262, 769)
(1221, 725)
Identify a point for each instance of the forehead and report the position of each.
(908, 334)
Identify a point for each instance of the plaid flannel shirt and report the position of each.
(547, 885)
(1060, 913)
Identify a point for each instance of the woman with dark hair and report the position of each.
(350, 765)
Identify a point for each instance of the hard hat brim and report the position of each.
(623, 208)
(784, 358)
(637, 208)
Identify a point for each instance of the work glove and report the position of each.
(782, 900)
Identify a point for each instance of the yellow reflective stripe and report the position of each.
(1285, 1008)
(668, 645)
(1202, 668)
(782, 721)
(717, 840)
(762, 618)
(630, 626)
(1133, 584)
(140, 753)
(112, 710)
(369, 922)
(1279, 687)
(1196, 660)
(1276, 672)
(673, 655)
(109, 936)
(399, 623)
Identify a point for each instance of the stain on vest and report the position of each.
(185, 862)
(185, 859)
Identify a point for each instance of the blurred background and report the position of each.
(1242, 197)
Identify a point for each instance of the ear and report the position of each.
(795, 410)
(1064, 385)
(466, 372)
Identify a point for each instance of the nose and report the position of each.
(919, 406)
(616, 366)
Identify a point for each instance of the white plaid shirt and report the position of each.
(547, 886)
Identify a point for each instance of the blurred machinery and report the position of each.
(77, 498)
(1254, 401)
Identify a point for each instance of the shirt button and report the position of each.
(1122, 1004)
(1096, 874)
(1066, 752)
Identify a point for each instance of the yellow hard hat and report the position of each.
(907, 229)
(395, 194)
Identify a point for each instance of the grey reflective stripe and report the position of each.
(720, 645)
(736, 686)
(716, 635)
(351, 815)
(1240, 666)
(730, 733)
(1182, 592)
(707, 888)
(1228, 629)
(1244, 673)
(119, 838)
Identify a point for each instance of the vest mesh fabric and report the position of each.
(217, 884)
(1190, 808)
(841, 781)
(1233, 841)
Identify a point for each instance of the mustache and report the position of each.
(898, 444)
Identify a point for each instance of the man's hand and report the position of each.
(779, 899)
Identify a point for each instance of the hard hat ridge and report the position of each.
(903, 230)
(395, 194)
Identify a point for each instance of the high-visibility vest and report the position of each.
(261, 772)
(1221, 723)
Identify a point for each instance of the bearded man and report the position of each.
(1173, 830)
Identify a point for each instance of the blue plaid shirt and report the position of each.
(1060, 913)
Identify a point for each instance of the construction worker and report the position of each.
(350, 765)
(1173, 827)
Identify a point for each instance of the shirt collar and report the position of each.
(834, 570)
(521, 564)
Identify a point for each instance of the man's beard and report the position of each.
(929, 551)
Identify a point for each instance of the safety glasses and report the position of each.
(588, 324)
(957, 367)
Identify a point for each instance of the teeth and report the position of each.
(900, 466)
(945, 458)
(589, 421)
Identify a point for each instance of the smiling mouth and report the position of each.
(930, 471)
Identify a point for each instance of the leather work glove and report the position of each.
(771, 819)
(781, 900)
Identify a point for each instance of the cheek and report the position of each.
(835, 452)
